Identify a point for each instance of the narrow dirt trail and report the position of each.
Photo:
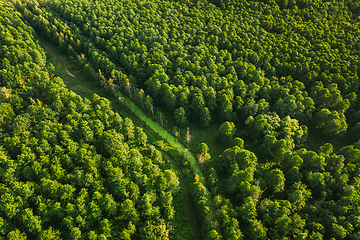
(76, 83)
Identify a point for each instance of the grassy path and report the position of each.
(190, 207)
(164, 134)
(76, 82)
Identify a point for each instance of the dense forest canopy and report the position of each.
(252, 58)
(71, 167)
(276, 76)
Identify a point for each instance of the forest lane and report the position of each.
(63, 64)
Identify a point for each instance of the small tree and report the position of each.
(180, 117)
(205, 117)
(148, 104)
(226, 131)
(204, 155)
(141, 136)
(129, 128)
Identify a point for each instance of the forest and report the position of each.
(264, 94)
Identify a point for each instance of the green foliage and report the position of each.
(331, 123)
(205, 117)
(235, 157)
(275, 180)
(172, 181)
(213, 235)
(226, 132)
(70, 167)
(271, 69)
(180, 117)
(16, 235)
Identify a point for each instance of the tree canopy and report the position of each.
(279, 79)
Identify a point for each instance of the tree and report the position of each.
(335, 164)
(263, 125)
(275, 180)
(213, 235)
(168, 96)
(210, 98)
(172, 180)
(351, 154)
(154, 85)
(225, 107)
(326, 149)
(287, 106)
(339, 231)
(148, 103)
(6, 111)
(127, 232)
(331, 123)
(203, 148)
(247, 211)
(16, 235)
(205, 117)
(85, 132)
(129, 212)
(50, 234)
(75, 233)
(129, 128)
(31, 221)
(166, 203)
(176, 48)
(162, 232)
(275, 214)
(226, 131)
(298, 195)
(213, 179)
(149, 211)
(180, 117)
(197, 103)
(236, 158)
(316, 236)
(141, 136)
(250, 108)
(204, 155)
(257, 230)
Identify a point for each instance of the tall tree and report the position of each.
(226, 131)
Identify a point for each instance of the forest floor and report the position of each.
(75, 81)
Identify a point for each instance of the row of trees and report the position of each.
(201, 81)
